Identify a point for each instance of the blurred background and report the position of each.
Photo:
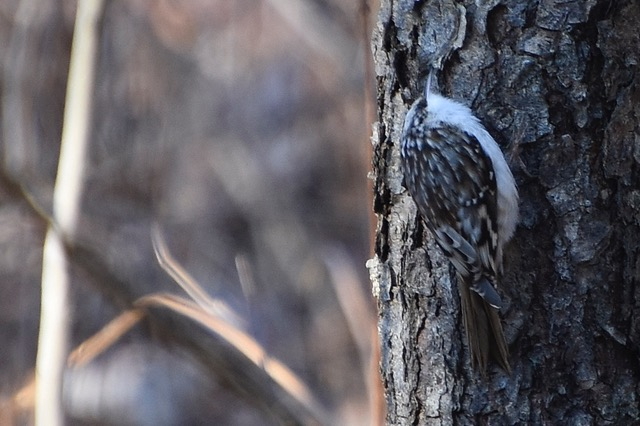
(242, 129)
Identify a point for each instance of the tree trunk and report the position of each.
(557, 85)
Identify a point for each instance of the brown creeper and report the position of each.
(466, 194)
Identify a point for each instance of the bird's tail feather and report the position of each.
(483, 326)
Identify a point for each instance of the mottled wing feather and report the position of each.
(453, 183)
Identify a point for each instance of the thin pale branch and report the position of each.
(53, 337)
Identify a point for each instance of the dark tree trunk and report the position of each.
(557, 85)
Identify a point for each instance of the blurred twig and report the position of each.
(215, 307)
(269, 377)
(235, 357)
(103, 339)
(52, 340)
(274, 386)
(358, 311)
(16, 409)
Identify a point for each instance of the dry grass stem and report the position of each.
(166, 261)
(88, 350)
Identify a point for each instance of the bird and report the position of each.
(467, 196)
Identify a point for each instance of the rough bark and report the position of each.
(557, 85)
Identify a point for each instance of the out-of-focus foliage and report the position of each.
(239, 127)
